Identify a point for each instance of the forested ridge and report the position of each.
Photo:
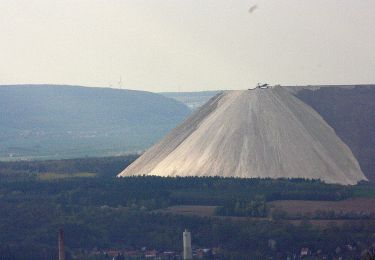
(59, 121)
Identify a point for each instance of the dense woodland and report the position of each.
(107, 212)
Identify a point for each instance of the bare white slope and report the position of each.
(252, 133)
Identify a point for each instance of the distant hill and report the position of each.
(350, 111)
(193, 100)
(50, 121)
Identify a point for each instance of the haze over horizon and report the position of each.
(187, 45)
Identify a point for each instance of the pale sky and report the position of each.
(187, 45)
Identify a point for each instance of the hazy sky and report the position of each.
(186, 45)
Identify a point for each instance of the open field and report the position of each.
(203, 211)
(196, 210)
(54, 176)
(209, 211)
(296, 210)
(294, 207)
(330, 222)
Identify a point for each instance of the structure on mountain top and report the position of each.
(263, 86)
(263, 133)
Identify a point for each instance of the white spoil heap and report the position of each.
(252, 133)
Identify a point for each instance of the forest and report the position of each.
(101, 211)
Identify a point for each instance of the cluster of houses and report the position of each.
(338, 254)
(347, 250)
(213, 253)
(144, 253)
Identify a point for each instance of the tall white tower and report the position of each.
(188, 254)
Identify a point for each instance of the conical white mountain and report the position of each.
(252, 133)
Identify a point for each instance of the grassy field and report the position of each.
(47, 176)
(296, 210)
(324, 223)
(295, 207)
(197, 210)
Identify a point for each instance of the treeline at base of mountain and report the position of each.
(99, 211)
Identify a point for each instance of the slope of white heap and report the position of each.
(252, 133)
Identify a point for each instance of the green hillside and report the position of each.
(47, 121)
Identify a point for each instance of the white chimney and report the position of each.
(188, 254)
